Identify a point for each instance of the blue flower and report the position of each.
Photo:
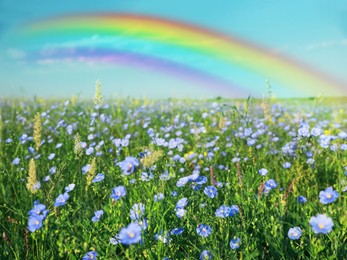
(321, 223)
(205, 255)
(51, 156)
(180, 212)
(137, 211)
(203, 230)
(294, 233)
(97, 215)
(235, 243)
(158, 197)
(181, 203)
(99, 177)
(222, 212)
(210, 191)
(70, 187)
(118, 192)
(16, 161)
(91, 255)
(328, 196)
(263, 171)
(89, 151)
(130, 235)
(177, 231)
(35, 222)
(233, 210)
(53, 170)
(287, 165)
(61, 200)
(128, 165)
(270, 184)
(37, 210)
(302, 199)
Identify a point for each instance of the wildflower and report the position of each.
(151, 158)
(180, 212)
(222, 212)
(61, 199)
(174, 193)
(90, 150)
(270, 184)
(205, 255)
(137, 211)
(98, 100)
(287, 165)
(210, 191)
(177, 231)
(328, 196)
(97, 215)
(142, 223)
(114, 240)
(37, 210)
(304, 130)
(53, 170)
(16, 161)
(35, 222)
(234, 210)
(70, 187)
(51, 156)
(302, 199)
(128, 165)
(294, 233)
(203, 230)
(99, 177)
(91, 173)
(90, 255)
(263, 171)
(235, 243)
(77, 147)
(131, 234)
(165, 238)
(321, 223)
(118, 192)
(32, 184)
(158, 197)
(37, 131)
(181, 203)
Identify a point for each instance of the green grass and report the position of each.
(263, 220)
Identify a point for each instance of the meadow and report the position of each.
(173, 179)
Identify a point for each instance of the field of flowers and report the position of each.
(173, 179)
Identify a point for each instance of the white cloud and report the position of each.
(15, 53)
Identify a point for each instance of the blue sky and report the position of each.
(313, 32)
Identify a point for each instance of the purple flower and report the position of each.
(131, 234)
(235, 243)
(180, 212)
(37, 210)
(328, 196)
(53, 170)
(321, 224)
(89, 151)
(61, 199)
(203, 230)
(118, 192)
(128, 165)
(294, 233)
(210, 191)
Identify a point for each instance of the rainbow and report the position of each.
(208, 52)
